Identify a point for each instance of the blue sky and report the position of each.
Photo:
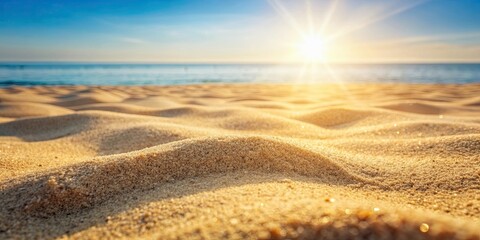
(238, 31)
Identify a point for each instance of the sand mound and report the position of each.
(89, 183)
(46, 128)
(375, 226)
(89, 98)
(412, 129)
(473, 101)
(25, 109)
(240, 162)
(414, 107)
(21, 97)
(114, 107)
(335, 117)
(176, 112)
(124, 139)
(4, 119)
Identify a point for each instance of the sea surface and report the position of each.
(170, 74)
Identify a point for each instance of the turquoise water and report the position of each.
(171, 74)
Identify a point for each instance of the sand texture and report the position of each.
(246, 161)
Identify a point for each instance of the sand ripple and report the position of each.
(241, 161)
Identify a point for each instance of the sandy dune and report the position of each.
(384, 161)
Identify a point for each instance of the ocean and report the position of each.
(30, 74)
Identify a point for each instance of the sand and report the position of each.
(254, 161)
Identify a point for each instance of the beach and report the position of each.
(240, 161)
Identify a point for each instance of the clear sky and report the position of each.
(240, 30)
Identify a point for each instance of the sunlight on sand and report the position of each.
(240, 161)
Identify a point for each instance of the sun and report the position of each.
(312, 48)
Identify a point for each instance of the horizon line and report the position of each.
(232, 62)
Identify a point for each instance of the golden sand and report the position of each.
(367, 161)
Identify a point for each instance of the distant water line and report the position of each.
(172, 74)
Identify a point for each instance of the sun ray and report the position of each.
(339, 82)
(285, 14)
(310, 22)
(315, 43)
(328, 16)
(374, 19)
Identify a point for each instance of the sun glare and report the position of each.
(312, 48)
